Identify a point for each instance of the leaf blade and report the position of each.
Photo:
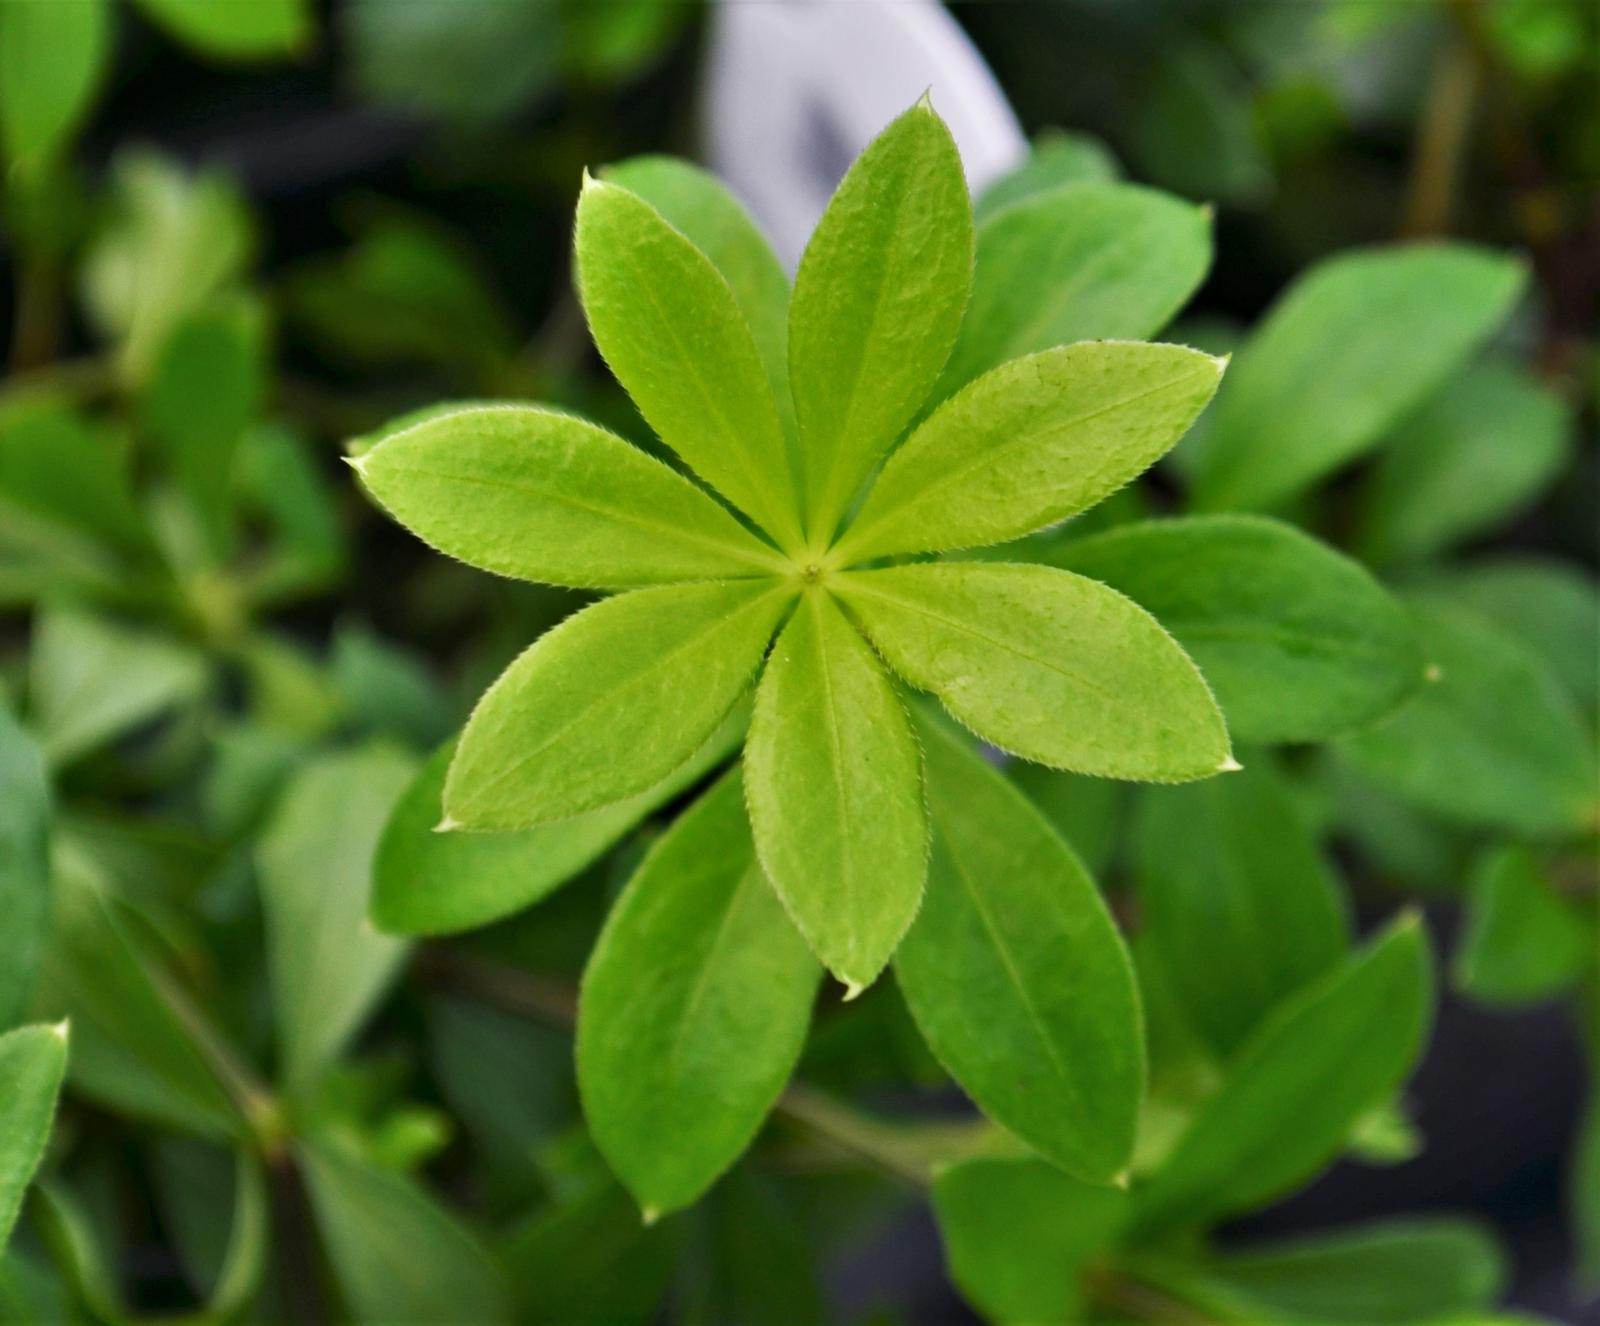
(834, 785)
(33, 1060)
(679, 656)
(693, 1007)
(1045, 664)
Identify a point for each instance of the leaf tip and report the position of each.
(853, 990)
(1432, 673)
(357, 462)
(447, 825)
(1229, 765)
(60, 1029)
(649, 1215)
(925, 101)
(1122, 1179)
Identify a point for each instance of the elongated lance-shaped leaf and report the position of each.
(609, 702)
(32, 1063)
(1083, 262)
(1046, 665)
(396, 1255)
(1353, 345)
(1231, 859)
(1298, 641)
(877, 303)
(834, 783)
(1294, 1091)
(700, 205)
(52, 58)
(1031, 443)
(694, 1008)
(329, 967)
(1016, 974)
(427, 883)
(670, 327)
(24, 863)
(531, 493)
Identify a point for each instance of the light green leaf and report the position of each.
(396, 1254)
(1400, 1271)
(32, 1062)
(1290, 1096)
(1047, 665)
(1470, 458)
(672, 330)
(700, 205)
(1031, 443)
(427, 883)
(1523, 941)
(1081, 263)
(1238, 902)
(207, 383)
(1350, 348)
(1017, 1234)
(52, 57)
(24, 863)
(314, 862)
(609, 703)
(1016, 974)
(877, 302)
(1058, 157)
(1494, 741)
(834, 783)
(173, 241)
(235, 29)
(137, 1045)
(694, 1008)
(91, 681)
(1550, 605)
(1298, 641)
(527, 492)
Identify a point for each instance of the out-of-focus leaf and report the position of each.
(469, 66)
(52, 57)
(31, 1291)
(56, 465)
(1297, 641)
(1468, 459)
(24, 863)
(217, 1208)
(235, 29)
(1551, 606)
(1018, 1232)
(1291, 1094)
(173, 240)
(1057, 158)
(1385, 1135)
(205, 386)
(616, 39)
(1083, 262)
(386, 687)
(434, 883)
(397, 1255)
(754, 1262)
(1195, 132)
(694, 1007)
(91, 681)
(1399, 1271)
(1016, 974)
(1494, 741)
(1347, 351)
(278, 480)
(32, 1062)
(588, 1256)
(1523, 941)
(329, 967)
(131, 1046)
(404, 292)
(1236, 898)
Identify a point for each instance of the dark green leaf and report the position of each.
(1057, 158)
(24, 863)
(1523, 940)
(32, 1061)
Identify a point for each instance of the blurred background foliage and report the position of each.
(238, 235)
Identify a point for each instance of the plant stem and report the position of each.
(1441, 136)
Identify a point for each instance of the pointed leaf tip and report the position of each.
(447, 825)
(649, 1215)
(1229, 765)
(925, 101)
(1432, 673)
(60, 1030)
(852, 991)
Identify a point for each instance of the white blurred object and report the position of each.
(798, 87)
